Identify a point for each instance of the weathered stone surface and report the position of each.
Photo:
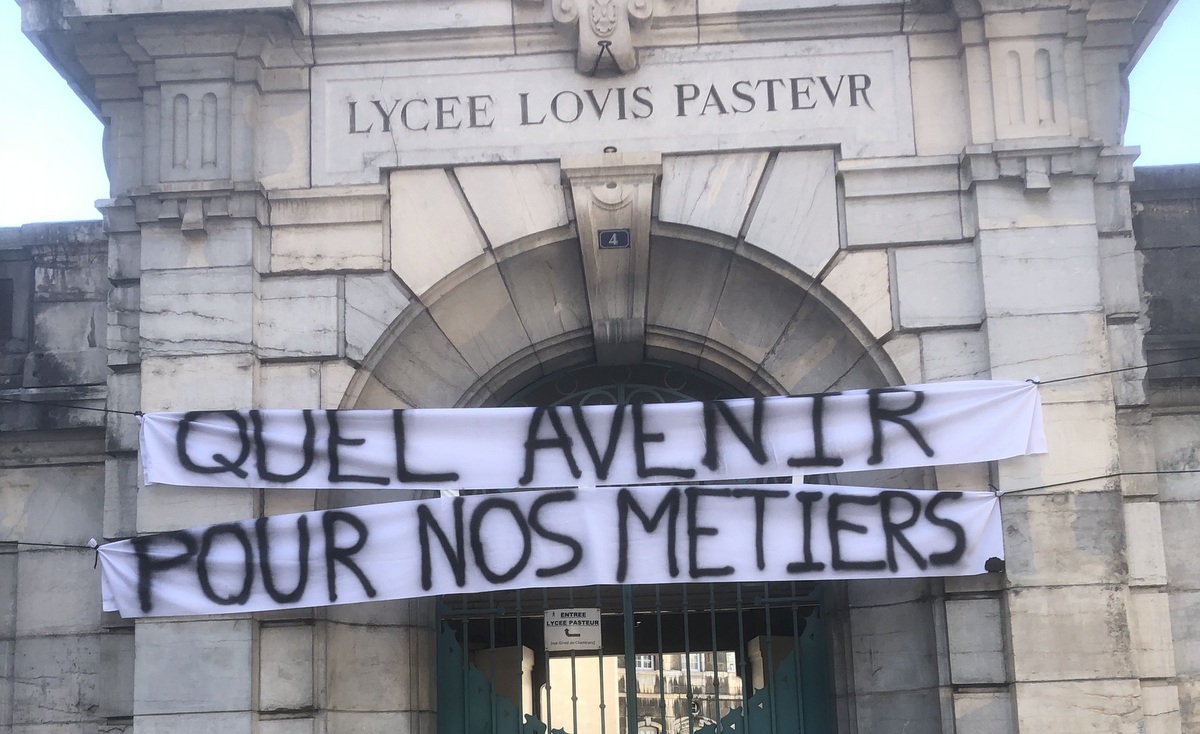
(1177, 452)
(192, 667)
(120, 496)
(372, 303)
(373, 668)
(901, 219)
(1150, 631)
(797, 214)
(1080, 438)
(323, 247)
(1073, 633)
(1079, 707)
(905, 353)
(958, 354)
(1160, 705)
(298, 317)
(984, 713)
(686, 280)
(289, 385)
(162, 507)
(481, 321)
(116, 678)
(285, 675)
(511, 202)
(55, 679)
(52, 504)
(1144, 542)
(1063, 538)
(1120, 275)
(938, 286)
(547, 290)
(196, 311)
(750, 333)
(58, 592)
(336, 376)
(427, 371)
(1185, 627)
(220, 382)
(710, 192)
(1069, 201)
(861, 281)
(194, 723)
(939, 106)
(1039, 270)
(286, 726)
(224, 244)
(1049, 347)
(974, 628)
(892, 648)
(432, 232)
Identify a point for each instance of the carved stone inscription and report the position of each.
(851, 93)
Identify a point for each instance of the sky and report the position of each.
(51, 167)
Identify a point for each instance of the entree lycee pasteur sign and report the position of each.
(850, 92)
(450, 449)
(552, 538)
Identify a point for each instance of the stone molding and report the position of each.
(604, 31)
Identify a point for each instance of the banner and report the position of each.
(457, 448)
(552, 538)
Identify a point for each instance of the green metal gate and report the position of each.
(675, 659)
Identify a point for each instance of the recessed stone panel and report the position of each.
(852, 92)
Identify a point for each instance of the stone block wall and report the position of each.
(1166, 206)
(54, 643)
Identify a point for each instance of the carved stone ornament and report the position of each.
(605, 30)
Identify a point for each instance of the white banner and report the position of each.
(552, 538)
(456, 448)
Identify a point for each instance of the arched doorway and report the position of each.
(510, 322)
(672, 659)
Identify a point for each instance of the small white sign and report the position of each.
(572, 629)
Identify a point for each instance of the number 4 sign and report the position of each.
(613, 239)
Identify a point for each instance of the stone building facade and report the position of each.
(401, 203)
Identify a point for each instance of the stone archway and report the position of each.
(500, 322)
(712, 304)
